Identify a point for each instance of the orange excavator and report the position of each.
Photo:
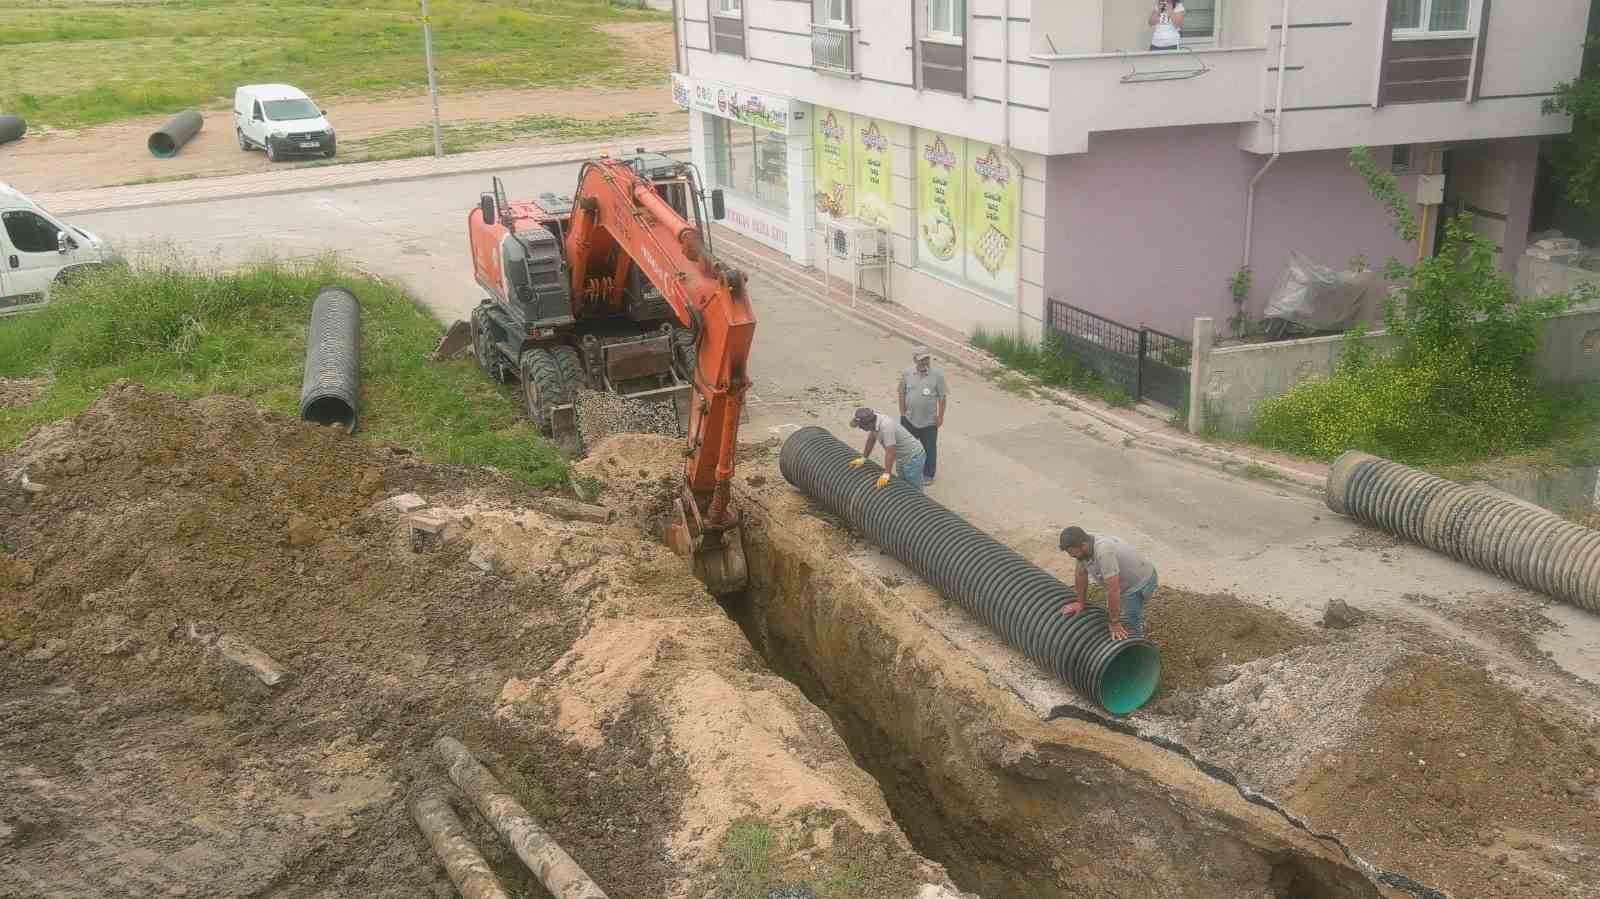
(616, 289)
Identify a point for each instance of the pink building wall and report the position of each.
(1148, 226)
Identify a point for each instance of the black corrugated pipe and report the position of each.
(333, 355)
(12, 127)
(178, 130)
(1535, 548)
(1012, 596)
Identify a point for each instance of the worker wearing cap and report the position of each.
(1128, 577)
(902, 452)
(922, 398)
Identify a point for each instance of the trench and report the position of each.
(1004, 801)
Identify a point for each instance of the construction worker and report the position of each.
(922, 397)
(902, 452)
(1127, 576)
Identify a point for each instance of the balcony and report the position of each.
(833, 50)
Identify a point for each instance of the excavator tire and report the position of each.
(542, 387)
(483, 346)
(571, 367)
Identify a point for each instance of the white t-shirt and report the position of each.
(1166, 33)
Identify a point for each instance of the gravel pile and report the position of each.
(602, 414)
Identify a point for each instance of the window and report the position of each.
(836, 12)
(1400, 159)
(1199, 21)
(31, 233)
(947, 18)
(733, 9)
(1432, 16)
(750, 162)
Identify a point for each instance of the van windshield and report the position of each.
(289, 110)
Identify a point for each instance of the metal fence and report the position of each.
(833, 48)
(1148, 364)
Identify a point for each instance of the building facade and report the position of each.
(1016, 150)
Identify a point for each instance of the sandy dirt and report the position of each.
(582, 663)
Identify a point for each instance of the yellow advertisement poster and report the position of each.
(874, 168)
(831, 141)
(992, 191)
(941, 184)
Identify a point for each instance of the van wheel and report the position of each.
(244, 144)
(272, 152)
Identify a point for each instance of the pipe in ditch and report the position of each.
(167, 140)
(333, 350)
(462, 861)
(1010, 595)
(12, 127)
(550, 863)
(1522, 543)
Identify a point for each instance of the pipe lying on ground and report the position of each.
(466, 866)
(1012, 596)
(333, 347)
(1523, 543)
(12, 127)
(544, 857)
(179, 130)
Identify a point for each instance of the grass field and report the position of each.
(189, 332)
(460, 137)
(70, 63)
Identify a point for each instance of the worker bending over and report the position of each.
(1128, 577)
(902, 452)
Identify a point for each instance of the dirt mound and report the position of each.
(136, 761)
(21, 391)
(1201, 635)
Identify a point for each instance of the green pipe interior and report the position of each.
(1131, 679)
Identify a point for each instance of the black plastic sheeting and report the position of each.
(179, 130)
(12, 127)
(1013, 597)
(1520, 542)
(333, 358)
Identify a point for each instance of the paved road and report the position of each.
(1019, 467)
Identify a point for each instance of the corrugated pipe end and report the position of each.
(12, 127)
(1017, 600)
(179, 130)
(333, 347)
(1339, 474)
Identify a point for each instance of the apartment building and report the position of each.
(1021, 149)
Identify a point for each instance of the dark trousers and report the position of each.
(929, 437)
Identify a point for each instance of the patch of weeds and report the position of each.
(1258, 472)
(1049, 362)
(1011, 382)
(748, 848)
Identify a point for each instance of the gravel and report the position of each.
(602, 414)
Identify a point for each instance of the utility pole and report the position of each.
(433, 83)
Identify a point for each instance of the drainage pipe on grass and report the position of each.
(1523, 543)
(333, 350)
(166, 141)
(12, 127)
(1012, 596)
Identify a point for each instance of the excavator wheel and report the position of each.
(571, 367)
(542, 387)
(483, 347)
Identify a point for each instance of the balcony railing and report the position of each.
(833, 49)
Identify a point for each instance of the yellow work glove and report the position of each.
(883, 479)
(858, 461)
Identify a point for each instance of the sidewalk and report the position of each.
(955, 347)
(291, 180)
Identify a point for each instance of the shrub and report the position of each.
(1050, 363)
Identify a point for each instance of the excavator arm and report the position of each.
(615, 207)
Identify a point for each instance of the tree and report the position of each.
(1577, 155)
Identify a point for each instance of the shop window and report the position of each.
(967, 197)
(752, 163)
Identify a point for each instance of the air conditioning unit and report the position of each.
(856, 242)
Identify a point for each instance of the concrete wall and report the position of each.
(1495, 181)
(1148, 226)
(1542, 277)
(1234, 381)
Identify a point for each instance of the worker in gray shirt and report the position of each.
(1128, 577)
(902, 453)
(922, 398)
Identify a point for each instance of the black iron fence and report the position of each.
(1148, 364)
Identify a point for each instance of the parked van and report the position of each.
(39, 251)
(282, 120)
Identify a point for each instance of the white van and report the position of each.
(39, 251)
(282, 120)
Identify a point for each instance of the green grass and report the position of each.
(748, 848)
(191, 333)
(1049, 365)
(71, 63)
(460, 137)
(1571, 439)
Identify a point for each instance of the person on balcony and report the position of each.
(1166, 20)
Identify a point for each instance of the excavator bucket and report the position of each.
(716, 554)
(458, 338)
(564, 429)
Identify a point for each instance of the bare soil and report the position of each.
(582, 663)
(21, 391)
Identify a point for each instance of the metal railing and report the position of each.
(1147, 363)
(833, 48)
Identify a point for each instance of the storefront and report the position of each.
(756, 148)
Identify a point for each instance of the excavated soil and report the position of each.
(582, 664)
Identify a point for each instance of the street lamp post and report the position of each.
(433, 84)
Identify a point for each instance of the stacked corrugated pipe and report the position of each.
(1012, 596)
(1522, 543)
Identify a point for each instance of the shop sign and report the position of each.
(874, 171)
(831, 131)
(754, 108)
